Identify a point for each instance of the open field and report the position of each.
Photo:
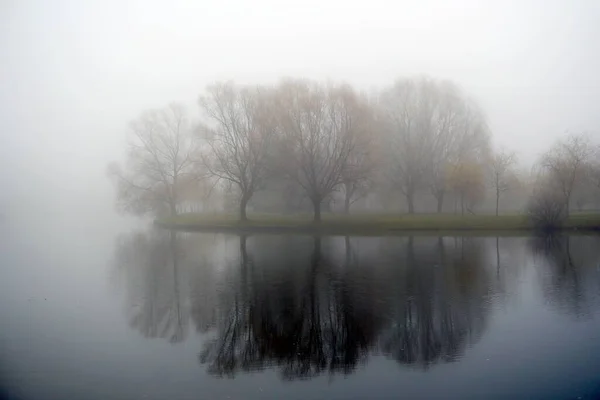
(366, 223)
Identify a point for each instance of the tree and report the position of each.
(355, 187)
(318, 133)
(405, 143)
(161, 158)
(446, 120)
(200, 196)
(466, 179)
(466, 168)
(564, 165)
(357, 177)
(545, 207)
(499, 169)
(239, 140)
(429, 125)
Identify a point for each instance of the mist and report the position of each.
(430, 135)
(75, 74)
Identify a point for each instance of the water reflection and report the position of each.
(570, 271)
(440, 301)
(150, 263)
(306, 322)
(313, 305)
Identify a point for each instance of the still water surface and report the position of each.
(160, 315)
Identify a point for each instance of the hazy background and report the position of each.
(75, 72)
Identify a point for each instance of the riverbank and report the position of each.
(365, 223)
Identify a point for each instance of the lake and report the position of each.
(153, 314)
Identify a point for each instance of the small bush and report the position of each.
(546, 209)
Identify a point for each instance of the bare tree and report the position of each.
(466, 179)
(446, 118)
(355, 187)
(357, 177)
(405, 144)
(499, 169)
(472, 151)
(239, 141)
(318, 137)
(564, 165)
(160, 161)
(545, 208)
(430, 127)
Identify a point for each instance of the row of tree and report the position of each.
(321, 142)
(569, 172)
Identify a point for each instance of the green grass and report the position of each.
(365, 223)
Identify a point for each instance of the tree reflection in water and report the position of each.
(329, 315)
(439, 306)
(311, 305)
(292, 323)
(151, 265)
(568, 267)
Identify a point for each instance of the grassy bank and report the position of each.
(365, 223)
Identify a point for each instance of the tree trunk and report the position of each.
(410, 201)
(497, 201)
(567, 205)
(348, 191)
(440, 202)
(173, 195)
(173, 207)
(317, 210)
(243, 203)
(347, 204)
(462, 204)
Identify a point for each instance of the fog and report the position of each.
(75, 73)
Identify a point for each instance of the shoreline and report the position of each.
(370, 224)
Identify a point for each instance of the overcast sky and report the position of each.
(75, 72)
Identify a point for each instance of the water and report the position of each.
(155, 315)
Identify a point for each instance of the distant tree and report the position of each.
(405, 145)
(238, 141)
(358, 176)
(546, 208)
(467, 181)
(200, 195)
(446, 113)
(429, 125)
(161, 158)
(500, 173)
(318, 137)
(565, 163)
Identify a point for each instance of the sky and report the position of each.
(74, 73)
